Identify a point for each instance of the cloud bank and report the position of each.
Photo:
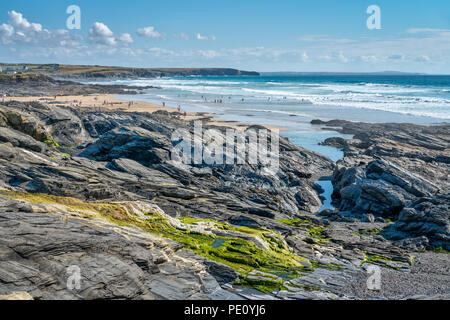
(310, 52)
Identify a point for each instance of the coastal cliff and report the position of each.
(98, 72)
(85, 72)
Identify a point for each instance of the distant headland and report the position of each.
(108, 72)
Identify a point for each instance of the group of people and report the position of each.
(76, 103)
(215, 100)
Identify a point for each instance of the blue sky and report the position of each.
(263, 35)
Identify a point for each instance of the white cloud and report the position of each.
(205, 38)
(423, 58)
(209, 54)
(324, 38)
(100, 30)
(20, 30)
(427, 30)
(150, 32)
(6, 32)
(370, 59)
(319, 52)
(342, 58)
(159, 52)
(396, 57)
(70, 43)
(125, 38)
(17, 20)
(101, 34)
(304, 57)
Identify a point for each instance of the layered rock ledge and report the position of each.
(396, 172)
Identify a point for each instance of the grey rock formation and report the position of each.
(40, 251)
(109, 157)
(400, 172)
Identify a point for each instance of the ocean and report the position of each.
(291, 101)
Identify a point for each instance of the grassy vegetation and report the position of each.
(51, 143)
(441, 250)
(80, 70)
(372, 232)
(265, 285)
(33, 70)
(20, 76)
(62, 154)
(376, 259)
(110, 211)
(315, 232)
(240, 254)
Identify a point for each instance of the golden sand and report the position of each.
(110, 102)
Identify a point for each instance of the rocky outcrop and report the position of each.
(398, 172)
(119, 156)
(99, 191)
(44, 86)
(43, 249)
(426, 219)
(134, 152)
(17, 296)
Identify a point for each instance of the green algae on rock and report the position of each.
(240, 253)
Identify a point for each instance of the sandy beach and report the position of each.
(112, 103)
(105, 101)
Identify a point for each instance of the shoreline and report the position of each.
(110, 102)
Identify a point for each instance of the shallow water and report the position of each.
(218, 243)
(311, 140)
(327, 186)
